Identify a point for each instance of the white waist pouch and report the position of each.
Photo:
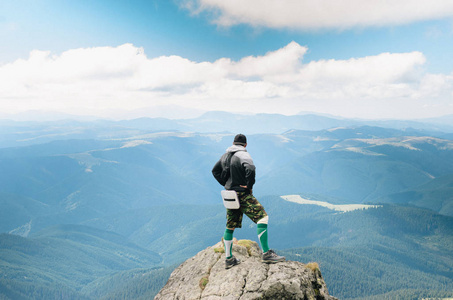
(230, 199)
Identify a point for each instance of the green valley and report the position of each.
(106, 210)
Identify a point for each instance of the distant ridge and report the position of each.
(221, 121)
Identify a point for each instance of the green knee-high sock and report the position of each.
(262, 235)
(228, 242)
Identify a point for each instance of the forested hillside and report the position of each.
(61, 260)
(106, 210)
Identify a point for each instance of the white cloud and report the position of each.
(383, 76)
(318, 14)
(282, 61)
(114, 80)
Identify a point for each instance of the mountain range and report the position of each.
(94, 203)
(20, 133)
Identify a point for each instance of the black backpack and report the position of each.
(226, 169)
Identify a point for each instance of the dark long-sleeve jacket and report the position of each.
(242, 169)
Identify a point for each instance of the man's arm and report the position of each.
(249, 175)
(217, 171)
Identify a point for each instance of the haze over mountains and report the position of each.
(27, 132)
(136, 197)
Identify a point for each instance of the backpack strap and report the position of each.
(228, 159)
(225, 174)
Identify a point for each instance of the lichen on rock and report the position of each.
(204, 277)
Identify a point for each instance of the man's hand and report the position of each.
(245, 187)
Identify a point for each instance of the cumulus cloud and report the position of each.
(105, 79)
(319, 14)
(282, 61)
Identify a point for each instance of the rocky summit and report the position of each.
(204, 277)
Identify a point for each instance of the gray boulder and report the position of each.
(204, 277)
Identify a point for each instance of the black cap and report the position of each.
(240, 139)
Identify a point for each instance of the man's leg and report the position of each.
(269, 256)
(261, 230)
(228, 242)
(255, 211)
(234, 220)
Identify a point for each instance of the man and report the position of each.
(241, 180)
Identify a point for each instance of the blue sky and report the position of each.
(359, 59)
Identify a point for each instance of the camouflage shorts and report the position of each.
(249, 206)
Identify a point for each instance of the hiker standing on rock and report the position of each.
(236, 172)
